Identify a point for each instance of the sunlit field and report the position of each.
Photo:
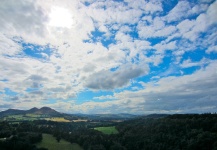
(58, 119)
(51, 143)
(107, 130)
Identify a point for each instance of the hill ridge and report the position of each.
(34, 110)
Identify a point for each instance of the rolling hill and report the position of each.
(36, 111)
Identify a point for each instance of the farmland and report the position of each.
(51, 143)
(32, 117)
(195, 131)
(107, 130)
(57, 119)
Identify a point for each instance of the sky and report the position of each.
(109, 56)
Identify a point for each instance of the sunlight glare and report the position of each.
(60, 17)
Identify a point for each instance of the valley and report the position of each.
(47, 129)
(46, 113)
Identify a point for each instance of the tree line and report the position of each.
(173, 132)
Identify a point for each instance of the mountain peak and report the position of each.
(34, 108)
(45, 108)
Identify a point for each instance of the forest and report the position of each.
(170, 132)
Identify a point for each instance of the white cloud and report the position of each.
(108, 80)
(22, 16)
(205, 1)
(185, 9)
(151, 7)
(8, 46)
(203, 22)
(157, 28)
(188, 63)
(186, 25)
(114, 13)
(199, 8)
(170, 94)
(120, 36)
(212, 49)
(179, 11)
(211, 13)
(157, 59)
(106, 97)
(161, 47)
(77, 59)
(165, 31)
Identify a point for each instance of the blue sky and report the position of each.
(104, 56)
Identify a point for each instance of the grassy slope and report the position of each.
(107, 130)
(50, 142)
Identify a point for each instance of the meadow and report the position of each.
(31, 117)
(107, 130)
(51, 143)
(57, 119)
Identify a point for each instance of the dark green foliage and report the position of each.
(175, 132)
(58, 138)
(117, 146)
(172, 132)
(23, 141)
(13, 137)
(42, 148)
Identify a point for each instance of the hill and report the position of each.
(35, 111)
(121, 116)
(11, 112)
(43, 110)
(47, 113)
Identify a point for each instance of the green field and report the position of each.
(51, 143)
(31, 117)
(107, 130)
(58, 119)
(27, 117)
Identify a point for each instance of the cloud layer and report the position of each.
(109, 56)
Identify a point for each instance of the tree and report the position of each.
(58, 138)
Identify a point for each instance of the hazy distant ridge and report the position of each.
(43, 110)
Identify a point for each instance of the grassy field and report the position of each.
(51, 143)
(80, 120)
(31, 117)
(58, 119)
(18, 118)
(107, 130)
(35, 116)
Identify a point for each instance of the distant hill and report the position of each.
(49, 112)
(11, 112)
(43, 110)
(155, 116)
(122, 116)
(32, 110)
(53, 113)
